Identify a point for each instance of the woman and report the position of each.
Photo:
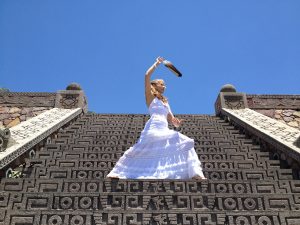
(160, 153)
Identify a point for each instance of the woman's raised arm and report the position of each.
(148, 95)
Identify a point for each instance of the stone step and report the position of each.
(212, 174)
(128, 121)
(251, 149)
(220, 143)
(138, 217)
(110, 163)
(184, 202)
(197, 132)
(135, 136)
(206, 130)
(201, 133)
(103, 185)
(189, 121)
(106, 129)
(109, 140)
(76, 154)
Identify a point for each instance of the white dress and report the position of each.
(160, 153)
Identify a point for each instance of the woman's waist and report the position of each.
(158, 116)
(158, 121)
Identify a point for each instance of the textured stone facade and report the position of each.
(11, 116)
(286, 116)
(273, 101)
(65, 182)
(16, 107)
(284, 108)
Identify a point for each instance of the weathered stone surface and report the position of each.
(282, 102)
(22, 99)
(14, 110)
(65, 181)
(282, 121)
(269, 113)
(13, 122)
(4, 109)
(277, 116)
(297, 113)
(4, 116)
(287, 119)
(26, 110)
(293, 124)
(6, 122)
(38, 109)
(15, 115)
(23, 118)
(287, 113)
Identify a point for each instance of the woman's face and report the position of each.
(160, 86)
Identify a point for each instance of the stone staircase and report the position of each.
(65, 182)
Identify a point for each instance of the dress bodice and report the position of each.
(158, 108)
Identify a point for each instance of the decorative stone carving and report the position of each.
(65, 182)
(33, 131)
(71, 98)
(230, 99)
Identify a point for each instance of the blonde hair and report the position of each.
(156, 93)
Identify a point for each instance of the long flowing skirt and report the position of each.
(160, 153)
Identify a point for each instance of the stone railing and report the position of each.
(271, 134)
(282, 140)
(31, 133)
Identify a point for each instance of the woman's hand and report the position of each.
(159, 60)
(177, 122)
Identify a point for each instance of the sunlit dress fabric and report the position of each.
(159, 153)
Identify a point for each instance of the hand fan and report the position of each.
(172, 68)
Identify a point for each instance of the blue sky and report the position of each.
(106, 46)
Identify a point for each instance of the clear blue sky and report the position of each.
(107, 45)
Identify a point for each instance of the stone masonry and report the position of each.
(11, 116)
(16, 107)
(284, 108)
(65, 182)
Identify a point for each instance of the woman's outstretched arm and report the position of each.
(148, 95)
(172, 119)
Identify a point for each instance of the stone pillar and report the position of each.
(230, 99)
(72, 97)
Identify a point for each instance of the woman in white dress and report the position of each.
(160, 153)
